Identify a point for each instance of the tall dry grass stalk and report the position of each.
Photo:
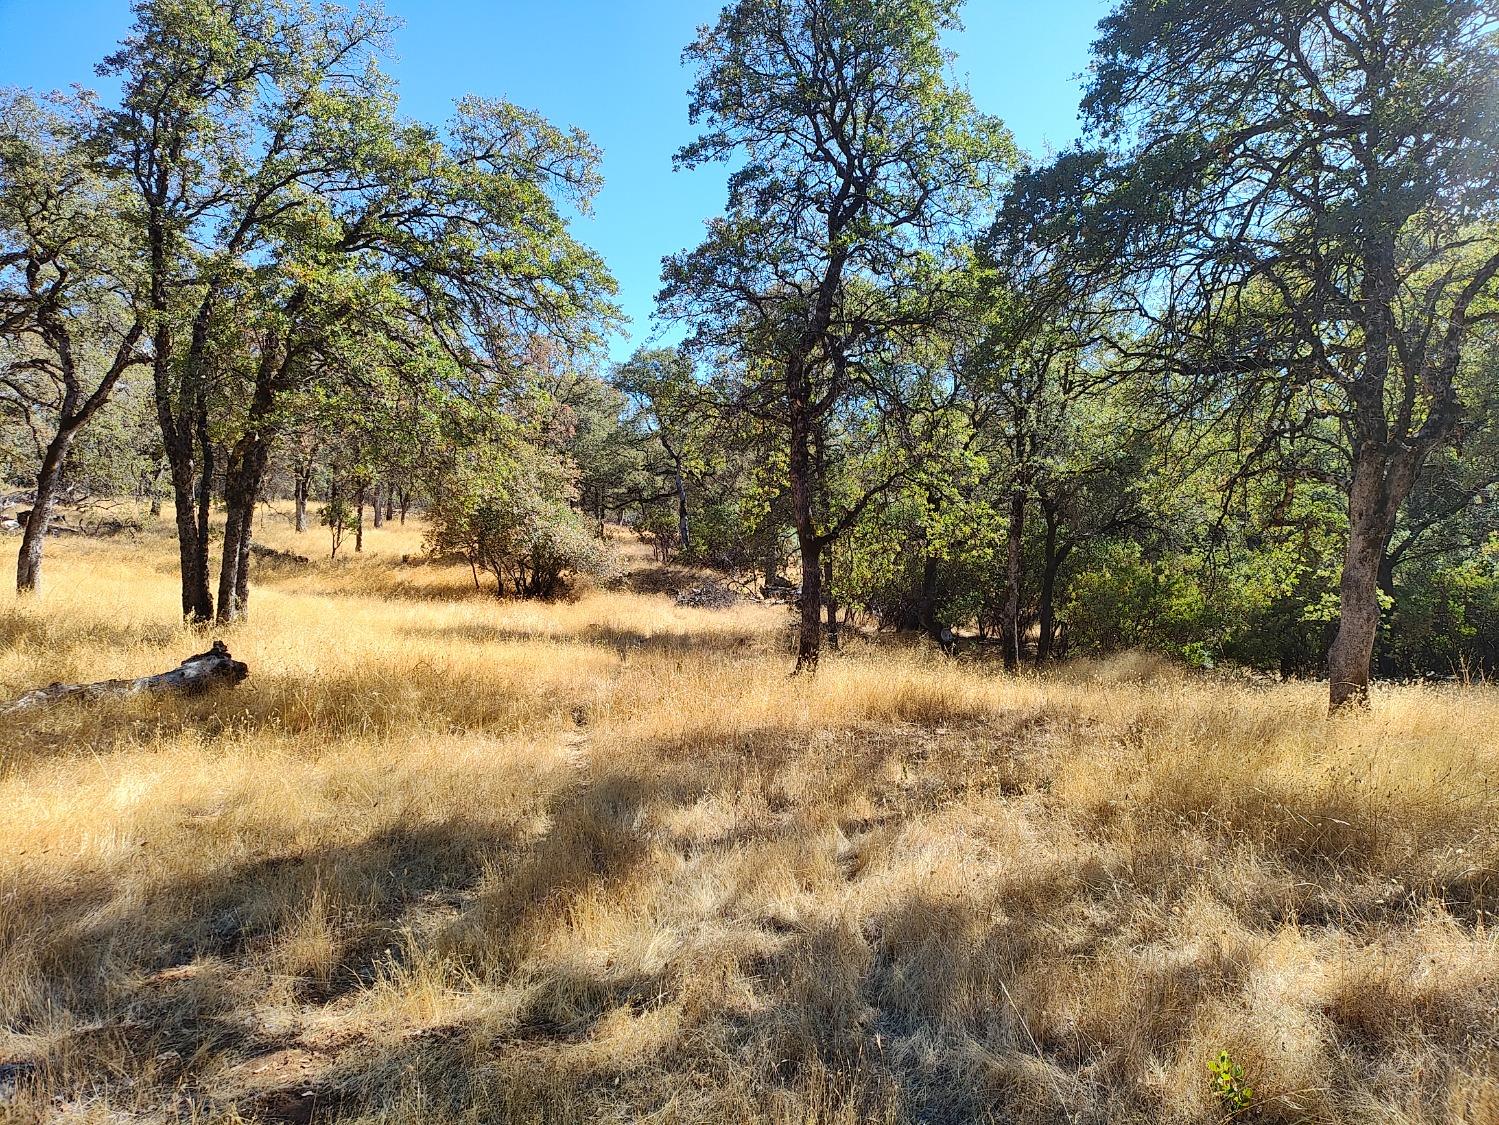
(444, 858)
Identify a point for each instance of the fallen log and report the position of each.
(196, 673)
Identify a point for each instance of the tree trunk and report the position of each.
(234, 528)
(926, 602)
(152, 484)
(242, 481)
(390, 503)
(379, 508)
(1051, 566)
(1385, 583)
(1376, 491)
(1012, 577)
(359, 521)
(682, 526)
(809, 639)
(1373, 502)
(196, 581)
(830, 600)
(192, 537)
(405, 500)
(29, 560)
(800, 471)
(300, 491)
(684, 532)
(335, 518)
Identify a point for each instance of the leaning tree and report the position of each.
(69, 328)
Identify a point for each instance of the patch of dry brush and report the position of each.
(442, 859)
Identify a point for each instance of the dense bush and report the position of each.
(504, 507)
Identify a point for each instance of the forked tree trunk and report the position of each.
(242, 481)
(190, 454)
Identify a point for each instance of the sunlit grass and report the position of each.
(443, 857)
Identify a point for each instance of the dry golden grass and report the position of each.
(443, 858)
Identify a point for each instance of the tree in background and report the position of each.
(503, 504)
(661, 382)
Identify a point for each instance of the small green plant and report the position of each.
(1229, 1085)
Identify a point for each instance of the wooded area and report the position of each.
(1217, 381)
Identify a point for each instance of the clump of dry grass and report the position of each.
(446, 858)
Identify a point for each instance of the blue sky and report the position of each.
(611, 67)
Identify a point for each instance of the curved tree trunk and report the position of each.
(29, 559)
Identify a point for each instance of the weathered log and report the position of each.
(196, 673)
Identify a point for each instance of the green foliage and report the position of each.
(340, 517)
(503, 505)
(1228, 1084)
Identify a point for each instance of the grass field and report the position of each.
(442, 858)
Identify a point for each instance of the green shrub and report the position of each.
(507, 509)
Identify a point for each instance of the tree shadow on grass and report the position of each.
(159, 979)
(623, 641)
(938, 1005)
